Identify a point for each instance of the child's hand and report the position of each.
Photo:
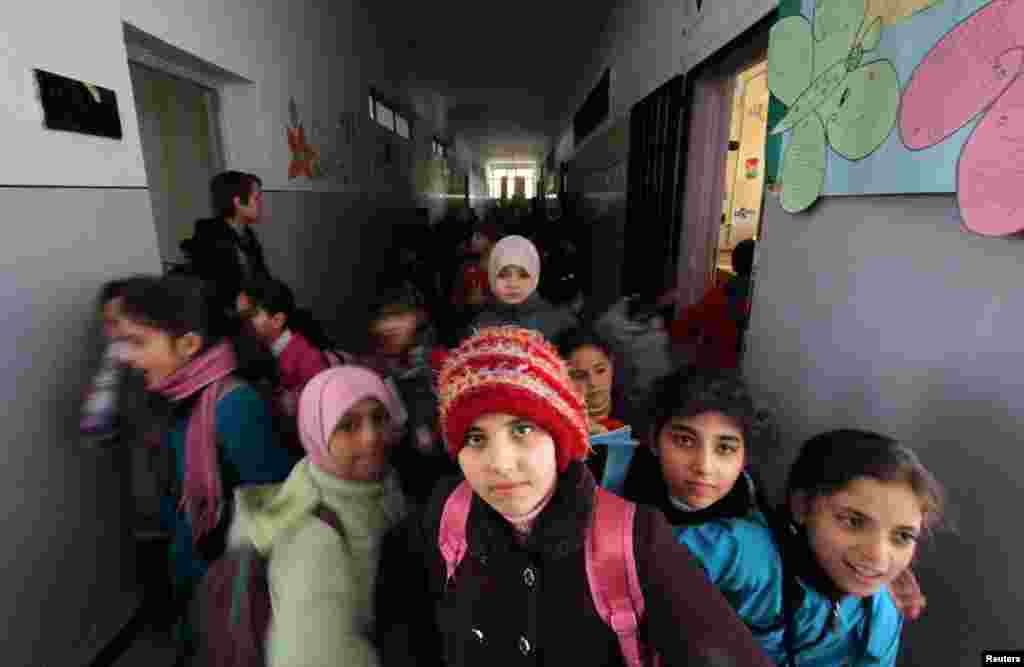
(290, 403)
(668, 298)
(907, 594)
(424, 439)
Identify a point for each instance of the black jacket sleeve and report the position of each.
(215, 259)
(208, 249)
(688, 621)
(409, 585)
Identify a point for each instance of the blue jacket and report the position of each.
(741, 557)
(247, 454)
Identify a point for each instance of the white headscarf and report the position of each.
(515, 251)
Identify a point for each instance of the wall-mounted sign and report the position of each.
(76, 106)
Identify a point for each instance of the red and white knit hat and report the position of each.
(514, 371)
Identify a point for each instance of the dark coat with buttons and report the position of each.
(530, 604)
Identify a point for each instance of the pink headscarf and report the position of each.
(201, 489)
(515, 251)
(325, 400)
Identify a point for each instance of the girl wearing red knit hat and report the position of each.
(525, 559)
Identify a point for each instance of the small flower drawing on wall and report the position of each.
(836, 96)
(305, 159)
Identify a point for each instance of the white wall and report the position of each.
(69, 569)
(882, 313)
(302, 50)
(84, 43)
(326, 56)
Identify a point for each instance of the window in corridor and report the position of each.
(387, 116)
(512, 180)
(401, 126)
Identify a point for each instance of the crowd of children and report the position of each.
(493, 501)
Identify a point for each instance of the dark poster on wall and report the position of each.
(76, 106)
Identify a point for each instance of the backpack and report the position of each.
(235, 607)
(610, 564)
(337, 357)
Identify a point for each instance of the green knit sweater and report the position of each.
(321, 582)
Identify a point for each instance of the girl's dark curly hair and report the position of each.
(829, 461)
(692, 390)
(575, 338)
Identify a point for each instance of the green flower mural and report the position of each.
(835, 96)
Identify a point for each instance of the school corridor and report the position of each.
(631, 139)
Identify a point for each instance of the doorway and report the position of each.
(744, 168)
(725, 178)
(179, 131)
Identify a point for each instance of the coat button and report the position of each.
(524, 646)
(478, 635)
(529, 578)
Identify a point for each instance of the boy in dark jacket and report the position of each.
(224, 250)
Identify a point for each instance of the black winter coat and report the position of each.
(512, 604)
(534, 313)
(213, 251)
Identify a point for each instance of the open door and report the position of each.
(178, 129)
(725, 174)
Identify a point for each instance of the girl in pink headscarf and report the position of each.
(322, 579)
(514, 272)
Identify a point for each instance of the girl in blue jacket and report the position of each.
(812, 579)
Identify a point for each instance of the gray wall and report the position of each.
(68, 570)
(329, 246)
(598, 178)
(881, 313)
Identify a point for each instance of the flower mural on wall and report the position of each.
(305, 160)
(976, 69)
(834, 98)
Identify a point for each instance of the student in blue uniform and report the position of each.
(707, 430)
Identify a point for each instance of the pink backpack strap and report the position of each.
(611, 572)
(451, 537)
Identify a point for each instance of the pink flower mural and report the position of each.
(976, 68)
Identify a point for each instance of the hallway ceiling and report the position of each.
(508, 70)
